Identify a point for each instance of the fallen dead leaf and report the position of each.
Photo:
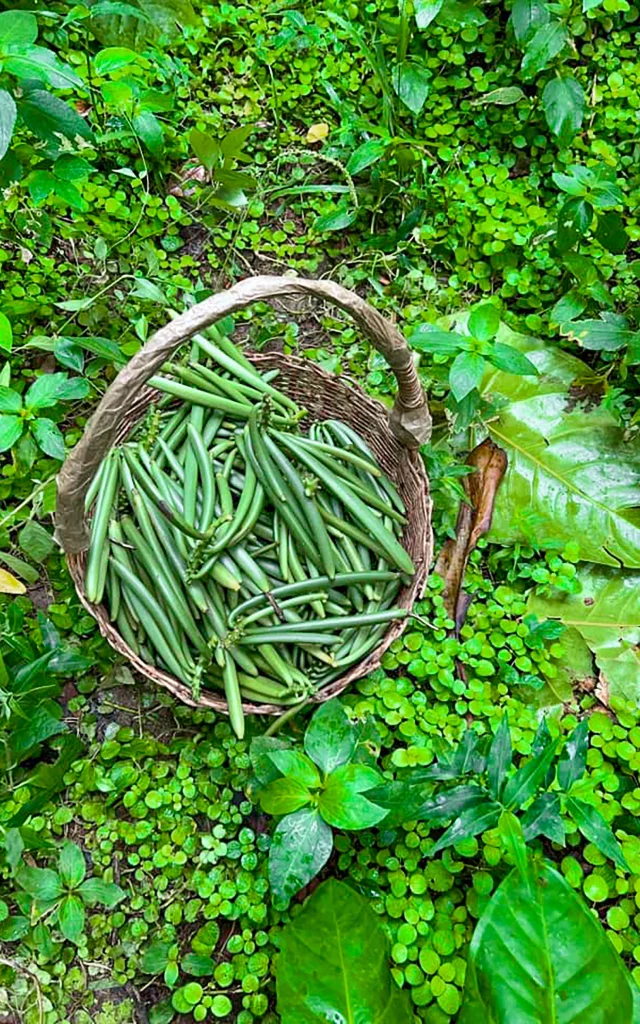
(9, 584)
(317, 132)
(474, 520)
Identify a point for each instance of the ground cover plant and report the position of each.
(472, 171)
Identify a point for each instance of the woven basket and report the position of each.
(393, 439)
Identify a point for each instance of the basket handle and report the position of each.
(409, 419)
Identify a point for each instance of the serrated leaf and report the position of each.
(49, 437)
(333, 964)
(564, 103)
(527, 16)
(599, 335)
(41, 883)
(300, 847)
(606, 613)
(48, 116)
(546, 44)
(466, 374)
(36, 62)
(539, 955)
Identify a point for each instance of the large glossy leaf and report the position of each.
(564, 102)
(7, 120)
(543, 958)
(571, 475)
(450, 803)
(334, 964)
(606, 613)
(300, 848)
(343, 803)
(471, 822)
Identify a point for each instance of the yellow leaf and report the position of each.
(9, 584)
(318, 132)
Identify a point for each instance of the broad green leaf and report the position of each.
(510, 360)
(466, 374)
(29, 62)
(72, 168)
(330, 739)
(475, 819)
(439, 342)
(577, 182)
(570, 470)
(573, 763)
(23, 569)
(30, 731)
(499, 758)
(574, 220)
(11, 428)
(523, 785)
(425, 11)
(412, 83)
(513, 840)
(108, 894)
(546, 44)
(564, 103)
(543, 818)
(6, 331)
(333, 964)
(365, 155)
(50, 388)
(296, 766)
(300, 847)
(600, 335)
(10, 400)
(402, 800)
(341, 217)
(596, 830)
(198, 966)
(71, 918)
(67, 190)
(283, 796)
(41, 883)
(205, 147)
(48, 116)
(233, 142)
(17, 28)
(568, 307)
(611, 232)
(112, 59)
(49, 437)
(48, 779)
(71, 865)
(342, 802)
(484, 321)
(606, 613)
(75, 305)
(155, 957)
(541, 957)
(9, 584)
(8, 113)
(147, 126)
(450, 803)
(35, 541)
(527, 16)
(502, 97)
(264, 769)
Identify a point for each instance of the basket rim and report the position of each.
(419, 523)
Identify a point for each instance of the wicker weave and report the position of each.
(324, 397)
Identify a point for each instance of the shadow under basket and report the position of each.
(324, 396)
